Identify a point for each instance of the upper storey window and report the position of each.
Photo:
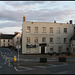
(36, 40)
(51, 39)
(43, 39)
(58, 30)
(36, 29)
(28, 29)
(43, 29)
(51, 29)
(65, 30)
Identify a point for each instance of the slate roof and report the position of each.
(6, 36)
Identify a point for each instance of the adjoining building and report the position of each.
(17, 40)
(72, 43)
(7, 40)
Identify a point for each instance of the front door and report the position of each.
(42, 49)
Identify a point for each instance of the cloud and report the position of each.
(21, 8)
(10, 30)
(50, 15)
(21, 3)
(10, 24)
(40, 11)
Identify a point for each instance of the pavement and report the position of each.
(32, 63)
(38, 56)
(38, 63)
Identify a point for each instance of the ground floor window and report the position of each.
(51, 49)
(67, 50)
(59, 49)
(73, 50)
(8, 44)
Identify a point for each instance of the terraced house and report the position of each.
(46, 37)
(7, 40)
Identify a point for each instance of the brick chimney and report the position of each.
(23, 18)
(70, 21)
(15, 32)
(54, 21)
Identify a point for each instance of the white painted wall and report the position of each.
(15, 40)
(6, 42)
(62, 35)
(72, 46)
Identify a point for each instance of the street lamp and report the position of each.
(18, 46)
(18, 52)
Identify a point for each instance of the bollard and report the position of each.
(43, 60)
(62, 59)
(14, 58)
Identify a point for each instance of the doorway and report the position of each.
(42, 49)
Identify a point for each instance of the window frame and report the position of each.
(51, 29)
(65, 30)
(28, 30)
(51, 39)
(44, 39)
(43, 29)
(35, 39)
(36, 30)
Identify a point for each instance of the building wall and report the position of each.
(16, 40)
(72, 48)
(54, 35)
(6, 42)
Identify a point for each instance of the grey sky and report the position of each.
(12, 12)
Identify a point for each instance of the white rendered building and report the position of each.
(17, 40)
(7, 40)
(46, 37)
(72, 43)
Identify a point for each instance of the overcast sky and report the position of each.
(12, 12)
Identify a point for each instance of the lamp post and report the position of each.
(18, 47)
(18, 52)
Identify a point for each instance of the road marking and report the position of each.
(4, 62)
(19, 70)
(52, 60)
(42, 66)
(26, 68)
(62, 72)
(51, 65)
(16, 69)
(58, 65)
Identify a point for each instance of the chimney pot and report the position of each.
(70, 21)
(15, 32)
(23, 18)
(54, 21)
